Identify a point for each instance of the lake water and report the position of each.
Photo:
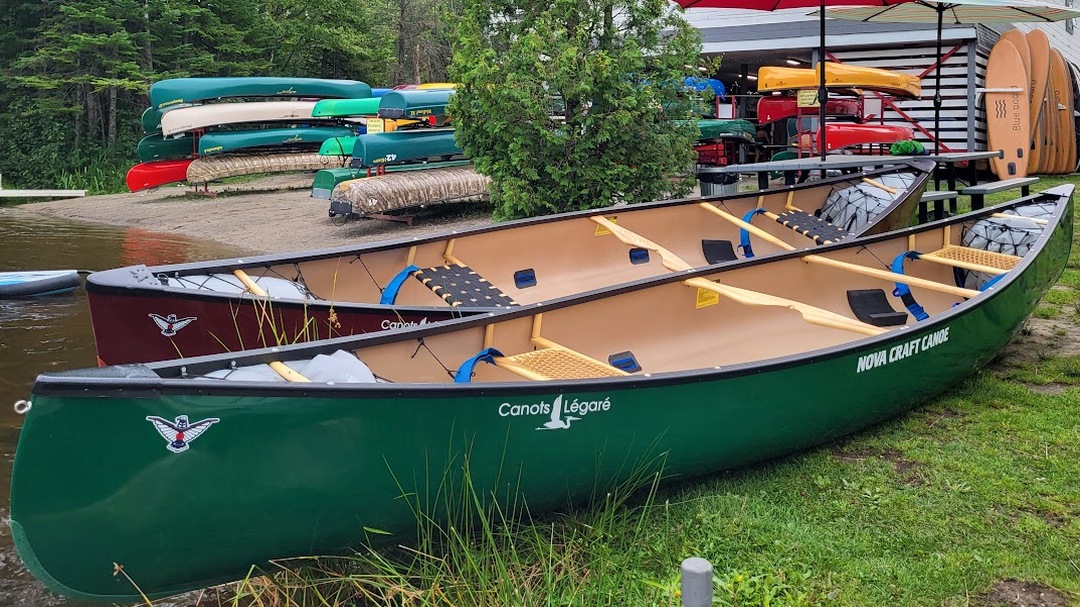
(53, 333)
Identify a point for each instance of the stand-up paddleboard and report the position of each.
(32, 284)
(1050, 126)
(147, 175)
(1008, 114)
(1074, 77)
(1019, 40)
(1063, 113)
(1039, 47)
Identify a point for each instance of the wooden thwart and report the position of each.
(843, 265)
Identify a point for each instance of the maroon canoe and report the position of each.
(147, 175)
(777, 107)
(142, 313)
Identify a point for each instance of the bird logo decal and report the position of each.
(558, 422)
(180, 433)
(170, 324)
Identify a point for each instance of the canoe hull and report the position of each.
(839, 135)
(155, 147)
(337, 470)
(148, 175)
(330, 108)
(839, 75)
(177, 91)
(289, 138)
(771, 109)
(403, 146)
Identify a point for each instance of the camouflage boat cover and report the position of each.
(406, 190)
(205, 170)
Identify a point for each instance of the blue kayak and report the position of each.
(28, 284)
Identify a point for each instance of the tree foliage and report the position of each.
(74, 74)
(563, 103)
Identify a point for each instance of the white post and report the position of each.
(697, 582)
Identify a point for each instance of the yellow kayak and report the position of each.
(839, 75)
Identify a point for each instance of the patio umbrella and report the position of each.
(958, 12)
(776, 5)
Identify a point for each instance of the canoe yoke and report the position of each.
(548, 361)
(457, 284)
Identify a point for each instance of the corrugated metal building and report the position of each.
(747, 40)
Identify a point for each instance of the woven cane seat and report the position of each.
(557, 363)
(973, 259)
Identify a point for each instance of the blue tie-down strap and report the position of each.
(389, 294)
(744, 236)
(986, 285)
(903, 291)
(465, 371)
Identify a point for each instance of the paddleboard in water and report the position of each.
(29, 284)
(148, 175)
(1008, 120)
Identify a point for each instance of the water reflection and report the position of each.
(53, 333)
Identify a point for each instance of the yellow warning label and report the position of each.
(706, 298)
(601, 230)
(807, 98)
(375, 125)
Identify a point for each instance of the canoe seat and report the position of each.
(556, 363)
(871, 306)
(549, 361)
(814, 228)
(976, 260)
(460, 286)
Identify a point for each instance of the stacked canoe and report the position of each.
(1030, 102)
(847, 83)
(201, 129)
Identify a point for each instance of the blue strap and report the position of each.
(986, 285)
(389, 294)
(744, 236)
(903, 291)
(465, 371)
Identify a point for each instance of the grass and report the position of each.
(975, 489)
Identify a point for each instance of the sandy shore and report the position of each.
(268, 215)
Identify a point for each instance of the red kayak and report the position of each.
(153, 174)
(778, 107)
(844, 135)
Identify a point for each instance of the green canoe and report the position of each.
(217, 463)
(338, 146)
(325, 180)
(726, 129)
(403, 146)
(151, 118)
(155, 147)
(228, 141)
(415, 104)
(332, 108)
(190, 90)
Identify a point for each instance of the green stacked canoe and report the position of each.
(398, 147)
(726, 129)
(155, 147)
(176, 91)
(338, 146)
(228, 141)
(416, 104)
(331, 108)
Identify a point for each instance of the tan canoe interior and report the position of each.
(680, 326)
(570, 256)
